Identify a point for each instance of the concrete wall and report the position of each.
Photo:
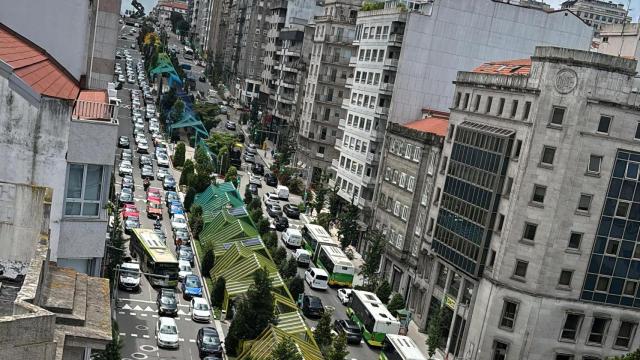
(104, 35)
(58, 26)
(460, 35)
(300, 12)
(19, 205)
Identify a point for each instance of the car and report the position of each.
(147, 172)
(281, 223)
(252, 149)
(178, 221)
(133, 46)
(167, 333)
(126, 156)
(181, 237)
(126, 196)
(184, 269)
(310, 305)
(176, 208)
(154, 127)
(154, 209)
(163, 160)
(208, 342)
(253, 189)
(185, 252)
(167, 302)
(274, 210)
(344, 295)
(144, 160)
(350, 329)
(250, 158)
(154, 192)
(142, 147)
(169, 183)
(257, 169)
(271, 179)
(125, 168)
(130, 223)
(271, 198)
(200, 310)
(230, 125)
(129, 276)
(191, 287)
(255, 180)
(123, 142)
(169, 196)
(161, 173)
(291, 211)
(127, 182)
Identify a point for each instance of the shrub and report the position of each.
(178, 155)
(217, 294)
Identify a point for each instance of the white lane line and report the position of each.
(144, 315)
(134, 335)
(154, 315)
(181, 339)
(123, 334)
(145, 336)
(121, 312)
(192, 340)
(132, 314)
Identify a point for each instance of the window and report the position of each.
(594, 164)
(539, 192)
(403, 180)
(396, 208)
(630, 288)
(637, 135)
(452, 129)
(529, 231)
(622, 210)
(405, 213)
(500, 350)
(514, 108)
(564, 357)
(548, 153)
(387, 174)
(585, 202)
(613, 246)
(625, 334)
(509, 311)
(571, 326)
(465, 103)
(557, 116)
(507, 186)
(517, 148)
(476, 104)
(521, 268)
(565, 278)
(527, 110)
(602, 284)
(500, 107)
(598, 330)
(574, 240)
(411, 183)
(444, 164)
(84, 190)
(487, 108)
(604, 124)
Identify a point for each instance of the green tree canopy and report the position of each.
(339, 349)
(179, 154)
(187, 173)
(384, 291)
(396, 303)
(217, 294)
(286, 350)
(371, 265)
(322, 333)
(348, 231)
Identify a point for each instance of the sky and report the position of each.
(635, 6)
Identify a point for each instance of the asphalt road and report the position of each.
(137, 312)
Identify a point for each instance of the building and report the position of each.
(534, 226)
(536, 4)
(164, 9)
(406, 61)
(214, 37)
(47, 312)
(62, 136)
(325, 86)
(620, 40)
(409, 164)
(202, 19)
(598, 13)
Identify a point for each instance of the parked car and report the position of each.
(250, 158)
(127, 182)
(344, 295)
(185, 253)
(147, 172)
(230, 125)
(163, 160)
(270, 198)
(350, 329)
(281, 223)
(125, 168)
(169, 183)
(145, 160)
(253, 189)
(169, 196)
(270, 179)
(154, 210)
(126, 196)
(167, 302)
(200, 310)
(252, 149)
(208, 342)
(311, 306)
(162, 173)
(258, 169)
(184, 269)
(123, 142)
(255, 180)
(181, 237)
(291, 211)
(167, 333)
(178, 221)
(143, 147)
(274, 210)
(191, 286)
(130, 223)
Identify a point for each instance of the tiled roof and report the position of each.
(175, 5)
(436, 122)
(506, 67)
(93, 105)
(35, 67)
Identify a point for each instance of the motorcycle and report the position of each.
(145, 184)
(157, 225)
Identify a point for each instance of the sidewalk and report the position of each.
(421, 341)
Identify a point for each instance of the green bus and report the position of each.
(337, 264)
(398, 347)
(375, 321)
(314, 236)
(154, 257)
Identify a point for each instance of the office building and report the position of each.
(534, 224)
(598, 13)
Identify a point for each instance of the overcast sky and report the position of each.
(635, 6)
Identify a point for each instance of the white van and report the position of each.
(302, 256)
(292, 237)
(316, 278)
(283, 192)
(129, 278)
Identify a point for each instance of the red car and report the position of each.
(154, 209)
(154, 194)
(130, 211)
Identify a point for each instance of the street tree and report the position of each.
(200, 182)
(248, 197)
(279, 255)
(179, 154)
(176, 111)
(189, 196)
(288, 268)
(296, 286)
(232, 175)
(270, 240)
(217, 294)
(323, 219)
(630, 356)
(195, 220)
(396, 303)
(348, 230)
(256, 215)
(208, 262)
(188, 171)
(334, 201)
(116, 249)
(202, 160)
(369, 269)
(322, 333)
(339, 349)
(286, 350)
(321, 197)
(384, 291)
(263, 226)
(434, 333)
(255, 204)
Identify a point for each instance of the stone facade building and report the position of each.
(597, 13)
(535, 225)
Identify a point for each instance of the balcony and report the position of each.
(382, 111)
(286, 83)
(346, 103)
(349, 83)
(335, 163)
(337, 19)
(396, 39)
(324, 98)
(371, 158)
(353, 61)
(390, 64)
(320, 156)
(93, 110)
(386, 88)
(367, 180)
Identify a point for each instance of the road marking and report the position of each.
(144, 315)
(145, 336)
(132, 314)
(192, 340)
(155, 315)
(181, 339)
(134, 335)
(123, 334)
(125, 306)
(121, 312)
(148, 308)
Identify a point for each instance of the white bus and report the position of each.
(337, 264)
(373, 317)
(188, 53)
(398, 347)
(314, 236)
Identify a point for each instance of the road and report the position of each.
(137, 312)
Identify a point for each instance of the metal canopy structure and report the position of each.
(265, 343)
(189, 119)
(164, 66)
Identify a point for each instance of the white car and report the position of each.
(143, 147)
(167, 333)
(200, 310)
(271, 198)
(153, 127)
(125, 168)
(121, 78)
(178, 221)
(344, 295)
(161, 173)
(163, 160)
(184, 269)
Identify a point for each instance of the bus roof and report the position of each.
(375, 307)
(337, 256)
(405, 346)
(318, 231)
(155, 246)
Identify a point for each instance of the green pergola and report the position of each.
(164, 66)
(265, 343)
(189, 119)
(226, 227)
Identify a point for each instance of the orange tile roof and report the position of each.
(175, 5)
(436, 122)
(93, 105)
(520, 67)
(35, 67)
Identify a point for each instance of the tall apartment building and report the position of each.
(535, 223)
(597, 13)
(407, 60)
(202, 16)
(334, 32)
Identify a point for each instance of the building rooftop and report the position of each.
(93, 105)
(36, 67)
(175, 5)
(505, 67)
(434, 122)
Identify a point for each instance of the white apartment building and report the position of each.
(406, 61)
(598, 13)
